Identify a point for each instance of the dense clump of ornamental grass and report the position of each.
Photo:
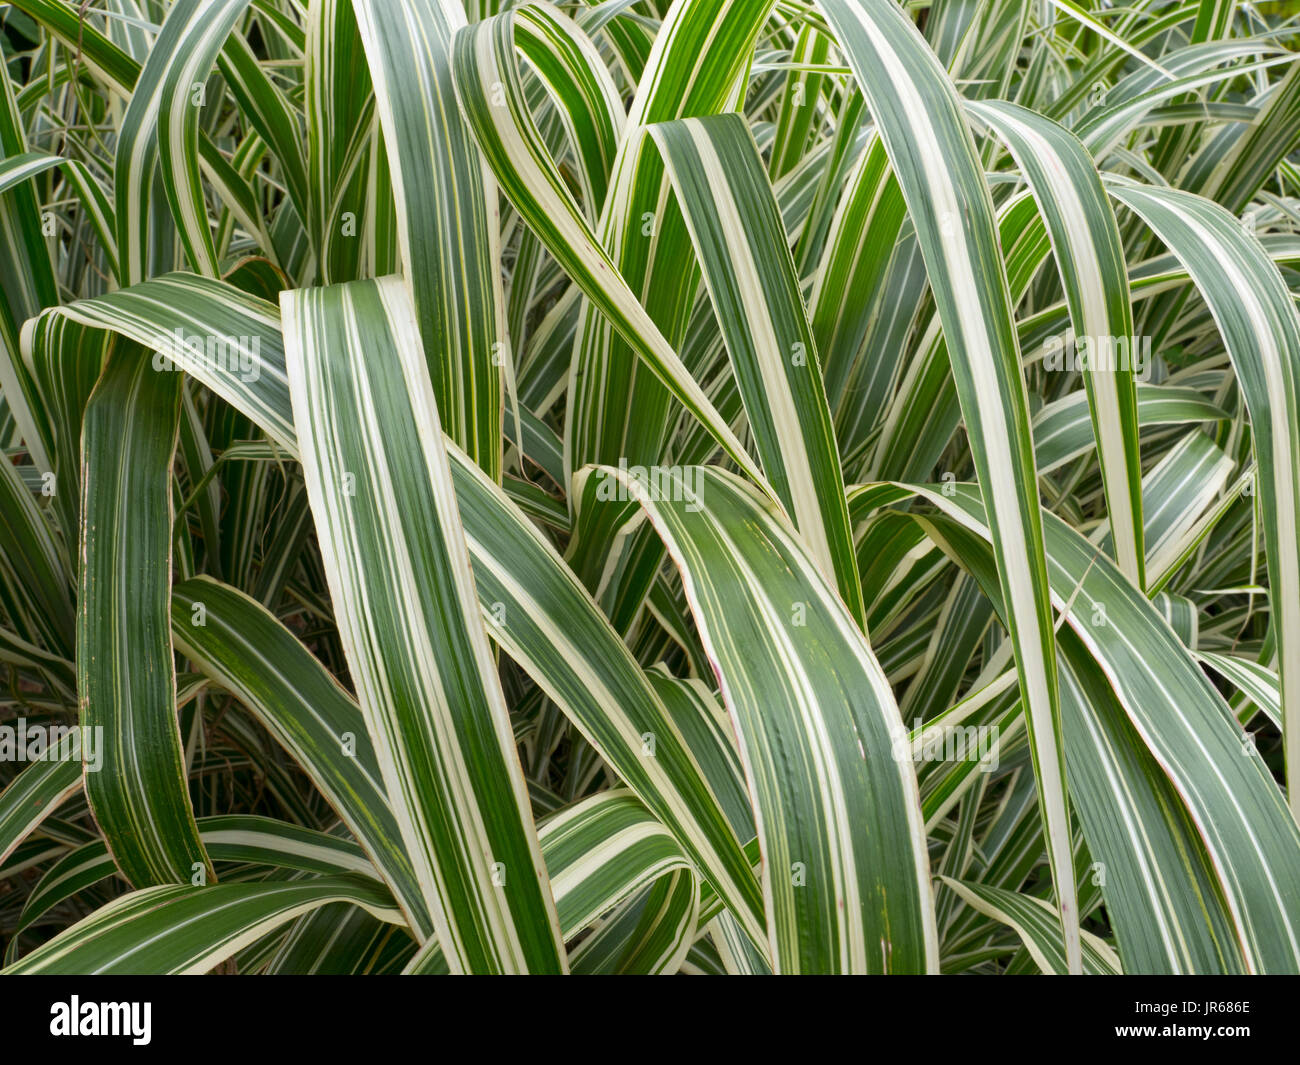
(649, 487)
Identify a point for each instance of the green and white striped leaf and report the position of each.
(33, 795)
(1090, 259)
(1248, 832)
(445, 200)
(398, 568)
(241, 646)
(1063, 428)
(234, 838)
(819, 733)
(176, 930)
(1256, 317)
(126, 681)
(919, 116)
(1035, 922)
(161, 125)
(485, 71)
(744, 252)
